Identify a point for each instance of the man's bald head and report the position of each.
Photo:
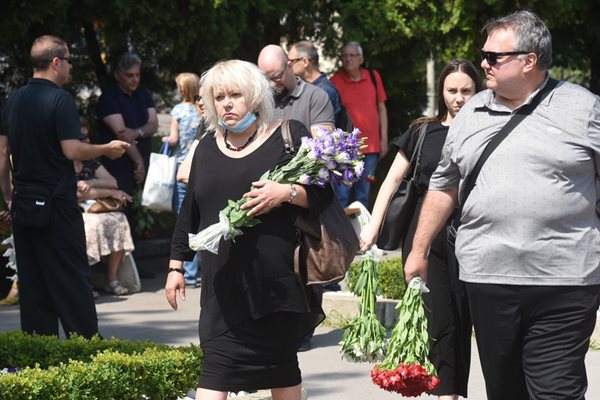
(273, 61)
(272, 57)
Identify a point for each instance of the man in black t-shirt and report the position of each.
(40, 124)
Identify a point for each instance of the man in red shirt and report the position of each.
(364, 97)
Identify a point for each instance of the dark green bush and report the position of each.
(390, 277)
(96, 369)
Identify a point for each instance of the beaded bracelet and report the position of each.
(180, 270)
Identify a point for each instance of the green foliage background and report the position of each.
(190, 35)
(390, 278)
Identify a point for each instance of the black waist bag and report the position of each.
(31, 207)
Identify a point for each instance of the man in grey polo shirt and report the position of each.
(529, 243)
(294, 98)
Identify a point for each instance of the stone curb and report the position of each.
(343, 306)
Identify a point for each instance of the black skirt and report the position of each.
(253, 355)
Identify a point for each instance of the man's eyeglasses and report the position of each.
(492, 57)
(67, 59)
(295, 60)
(278, 77)
(350, 55)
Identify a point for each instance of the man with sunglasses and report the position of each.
(41, 123)
(529, 240)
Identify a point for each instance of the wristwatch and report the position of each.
(140, 132)
(293, 193)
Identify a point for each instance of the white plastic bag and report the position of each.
(160, 181)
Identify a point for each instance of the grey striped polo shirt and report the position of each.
(530, 219)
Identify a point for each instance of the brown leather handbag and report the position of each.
(328, 243)
(105, 204)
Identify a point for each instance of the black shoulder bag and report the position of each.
(402, 205)
(32, 204)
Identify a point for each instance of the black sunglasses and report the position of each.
(67, 59)
(492, 57)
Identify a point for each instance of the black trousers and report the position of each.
(532, 340)
(54, 275)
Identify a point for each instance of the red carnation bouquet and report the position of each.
(406, 368)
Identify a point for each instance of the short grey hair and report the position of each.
(307, 49)
(241, 75)
(356, 45)
(531, 34)
(128, 60)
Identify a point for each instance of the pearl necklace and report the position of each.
(242, 147)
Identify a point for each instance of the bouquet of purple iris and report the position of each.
(331, 156)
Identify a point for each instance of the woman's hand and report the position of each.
(83, 186)
(265, 196)
(368, 236)
(175, 284)
(121, 196)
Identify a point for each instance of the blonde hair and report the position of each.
(188, 84)
(241, 75)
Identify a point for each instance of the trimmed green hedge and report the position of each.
(95, 369)
(390, 277)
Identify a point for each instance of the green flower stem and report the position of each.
(364, 336)
(409, 342)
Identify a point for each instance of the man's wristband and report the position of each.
(180, 270)
(140, 132)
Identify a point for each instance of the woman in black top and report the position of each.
(450, 336)
(252, 307)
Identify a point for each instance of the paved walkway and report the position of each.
(147, 316)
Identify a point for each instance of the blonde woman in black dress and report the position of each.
(252, 308)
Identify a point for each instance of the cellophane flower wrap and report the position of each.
(329, 157)
(11, 263)
(364, 337)
(406, 368)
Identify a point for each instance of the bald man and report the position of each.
(294, 98)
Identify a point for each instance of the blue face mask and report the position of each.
(241, 126)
